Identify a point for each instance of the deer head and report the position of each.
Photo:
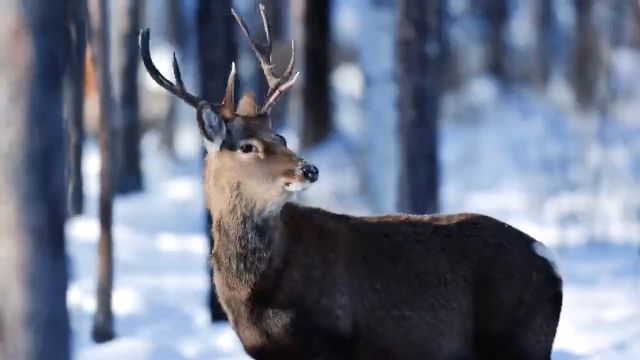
(242, 149)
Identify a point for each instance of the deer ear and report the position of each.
(213, 129)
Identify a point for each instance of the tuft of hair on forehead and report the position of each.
(247, 107)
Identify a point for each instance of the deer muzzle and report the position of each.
(309, 172)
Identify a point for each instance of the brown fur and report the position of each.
(303, 283)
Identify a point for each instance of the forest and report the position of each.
(524, 110)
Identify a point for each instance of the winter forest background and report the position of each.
(524, 110)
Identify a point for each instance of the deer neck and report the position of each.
(247, 236)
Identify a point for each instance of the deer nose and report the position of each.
(310, 172)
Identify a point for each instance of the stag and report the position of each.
(303, 283)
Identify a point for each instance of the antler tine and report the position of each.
(276, 94)
(277, 84)
(176, 73)
(226, 108)
(177, 89)
(263, 52)
(267, 29)
(287, 72)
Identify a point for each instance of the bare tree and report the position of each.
(419, 69)
(216, 50)
(34, 53)
(312, 102)
(545, 25)
(129, 177)
(495, 15)
(587, 57)
(103, 320)
(175, 15)
(635, 36)
(75, 116)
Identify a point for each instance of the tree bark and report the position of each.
(587, 56)
(35, 47)
(75, 116)
(495, 14)
(177, 37)
(312, 35)
(216, 50)
(103, 319)
(129, 178)
(419, 69)
(544, 22)
(379, 61)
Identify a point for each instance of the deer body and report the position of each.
(303, 283)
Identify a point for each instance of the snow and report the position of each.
(568, 179)
(161, 276)
(564, 177)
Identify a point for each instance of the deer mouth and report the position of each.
(296, 186)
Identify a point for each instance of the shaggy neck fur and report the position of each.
(246, 239)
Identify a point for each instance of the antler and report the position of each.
(224, 109)
(277, 84)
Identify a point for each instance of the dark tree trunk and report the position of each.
(75, 116)
(103, 320)
(216, 51)
(587, 56)
(452, 76)
(419, 69)
(495, 14)
(635, 36)
(544, 23)
(313, 36)
(129, 177)
(35, 47)
(177, 37)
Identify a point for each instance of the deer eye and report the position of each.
(248, 148)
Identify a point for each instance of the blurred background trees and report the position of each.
(100, 19)
(525, 110)
(128, 172)
(419, 71)
(311, 31)
(35, 52)
(75, 87)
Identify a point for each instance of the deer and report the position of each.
(299, 282)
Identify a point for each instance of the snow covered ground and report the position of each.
(161, 279)
(160, 267)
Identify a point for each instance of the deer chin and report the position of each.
(296, 186)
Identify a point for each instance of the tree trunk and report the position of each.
(544, 23)
(635, 35)
(378, 58)
(75, 116)
(129, 178)
(216, 51)
(312, 35)
(419, 68)
(169, 125)
(35, 47)
(495, 14)
(587, 56)
(103, 320)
